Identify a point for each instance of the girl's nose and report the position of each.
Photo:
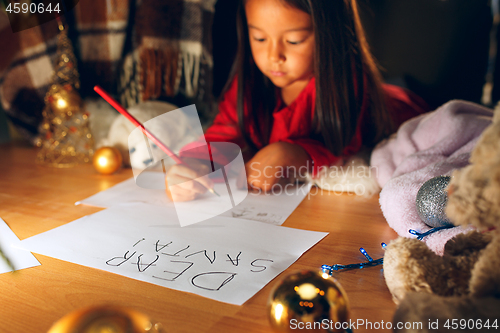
(276, 54)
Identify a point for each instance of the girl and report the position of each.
(304, 91)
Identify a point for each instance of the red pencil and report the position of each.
(136, 122)
(144, 130)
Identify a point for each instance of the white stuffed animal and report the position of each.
(175, 131)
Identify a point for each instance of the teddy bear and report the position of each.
(459, 290)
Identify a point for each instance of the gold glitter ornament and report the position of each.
(310, 300)
(107, 160)
(64, 133)
(103, 319)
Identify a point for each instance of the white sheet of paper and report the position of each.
(273, 208)
(128, 192)
(225, 259)
(11, 247)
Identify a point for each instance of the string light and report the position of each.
(363, 252)
(421, 235)
(328, 269)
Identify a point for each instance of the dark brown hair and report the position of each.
(345, 71)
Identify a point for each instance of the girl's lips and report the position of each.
(273, 73)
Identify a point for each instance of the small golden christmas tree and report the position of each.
(65, 139)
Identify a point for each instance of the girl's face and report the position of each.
(282, 42)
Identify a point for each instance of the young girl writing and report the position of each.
(304, 91)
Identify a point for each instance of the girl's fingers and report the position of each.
(178, 173)
(175, 193)
(198, 186)
(184, 183)
(197, 183)
(180, 194)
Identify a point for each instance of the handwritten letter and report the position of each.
(223, 258)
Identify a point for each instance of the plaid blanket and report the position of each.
(136, 49)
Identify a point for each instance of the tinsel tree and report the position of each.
(65, 139)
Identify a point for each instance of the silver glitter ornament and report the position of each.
(431, 202)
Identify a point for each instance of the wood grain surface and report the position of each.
(34, 199)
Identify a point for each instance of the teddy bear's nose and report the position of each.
(451, 189)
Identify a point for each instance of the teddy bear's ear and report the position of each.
(475, 193)
(487, 149)
(496, 115)
(459, 196)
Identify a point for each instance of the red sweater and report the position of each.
(293, 123)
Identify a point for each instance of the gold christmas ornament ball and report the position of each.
(107, 160)
(105, 319)
(310, 300)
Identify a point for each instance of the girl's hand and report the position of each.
(271, 163)
(179, 181)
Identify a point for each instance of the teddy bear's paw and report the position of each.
(420, 312)
(403, 267)
(467, 244)
(409, 265)
(485, 276)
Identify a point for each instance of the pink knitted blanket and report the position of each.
(424, 147)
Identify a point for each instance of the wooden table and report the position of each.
(34, 199)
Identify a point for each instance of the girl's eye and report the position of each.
(259, 39)
(294, 42)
